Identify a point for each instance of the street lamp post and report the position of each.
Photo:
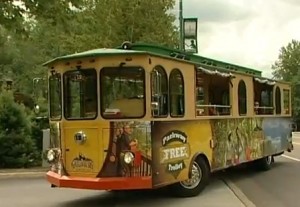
(181, 47)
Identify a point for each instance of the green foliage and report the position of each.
(11, 15)
(287, 68)
(53, 28)
(34, 31)
(12, 115)
(288, 63)
(17, 149)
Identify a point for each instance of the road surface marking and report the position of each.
(291, 158)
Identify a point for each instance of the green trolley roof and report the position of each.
(95, 53)
(142, 48)
(197, 59)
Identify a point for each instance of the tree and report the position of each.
(51, 29)
(288, 63)
(287, 68)
(147, 21)
(11, 15)
(34, 31)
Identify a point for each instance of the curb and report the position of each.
(23, 172)
(239, 194)
(22, 175)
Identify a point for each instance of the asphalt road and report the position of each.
(278, 187)
(36, 192)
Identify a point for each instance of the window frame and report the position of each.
(211, 108)
(278, 108)
(64, 98)
(288, 92)
(178, 71)
(101, 92)
(58, 75)
(167, 92)
(244, 96)
(260, 89)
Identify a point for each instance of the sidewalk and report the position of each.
(218, 193)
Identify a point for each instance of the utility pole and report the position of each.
(181, 46)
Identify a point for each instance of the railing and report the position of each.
(213, 110)
(142, 168)
(259, 110)
(145, 168)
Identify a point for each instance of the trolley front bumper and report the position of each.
(115, 183)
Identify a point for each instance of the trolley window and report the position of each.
(80, 92)
(55, 96)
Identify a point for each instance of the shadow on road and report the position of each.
(128, 198)
(246, 171)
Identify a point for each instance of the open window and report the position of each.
(212, 93)
(263, 96)
(176, 86)
(159, 92)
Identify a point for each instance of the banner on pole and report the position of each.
(190, 26)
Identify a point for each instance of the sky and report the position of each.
(244, 32)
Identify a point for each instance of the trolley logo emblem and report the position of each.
(174, 151)
(82, 162)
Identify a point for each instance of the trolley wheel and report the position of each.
(199, 179)
(264, 163)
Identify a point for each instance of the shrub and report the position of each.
(17, 149)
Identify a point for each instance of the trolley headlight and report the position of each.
(128, 157)
(51, 155)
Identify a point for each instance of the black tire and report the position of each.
(264, 164)
(182, 190)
